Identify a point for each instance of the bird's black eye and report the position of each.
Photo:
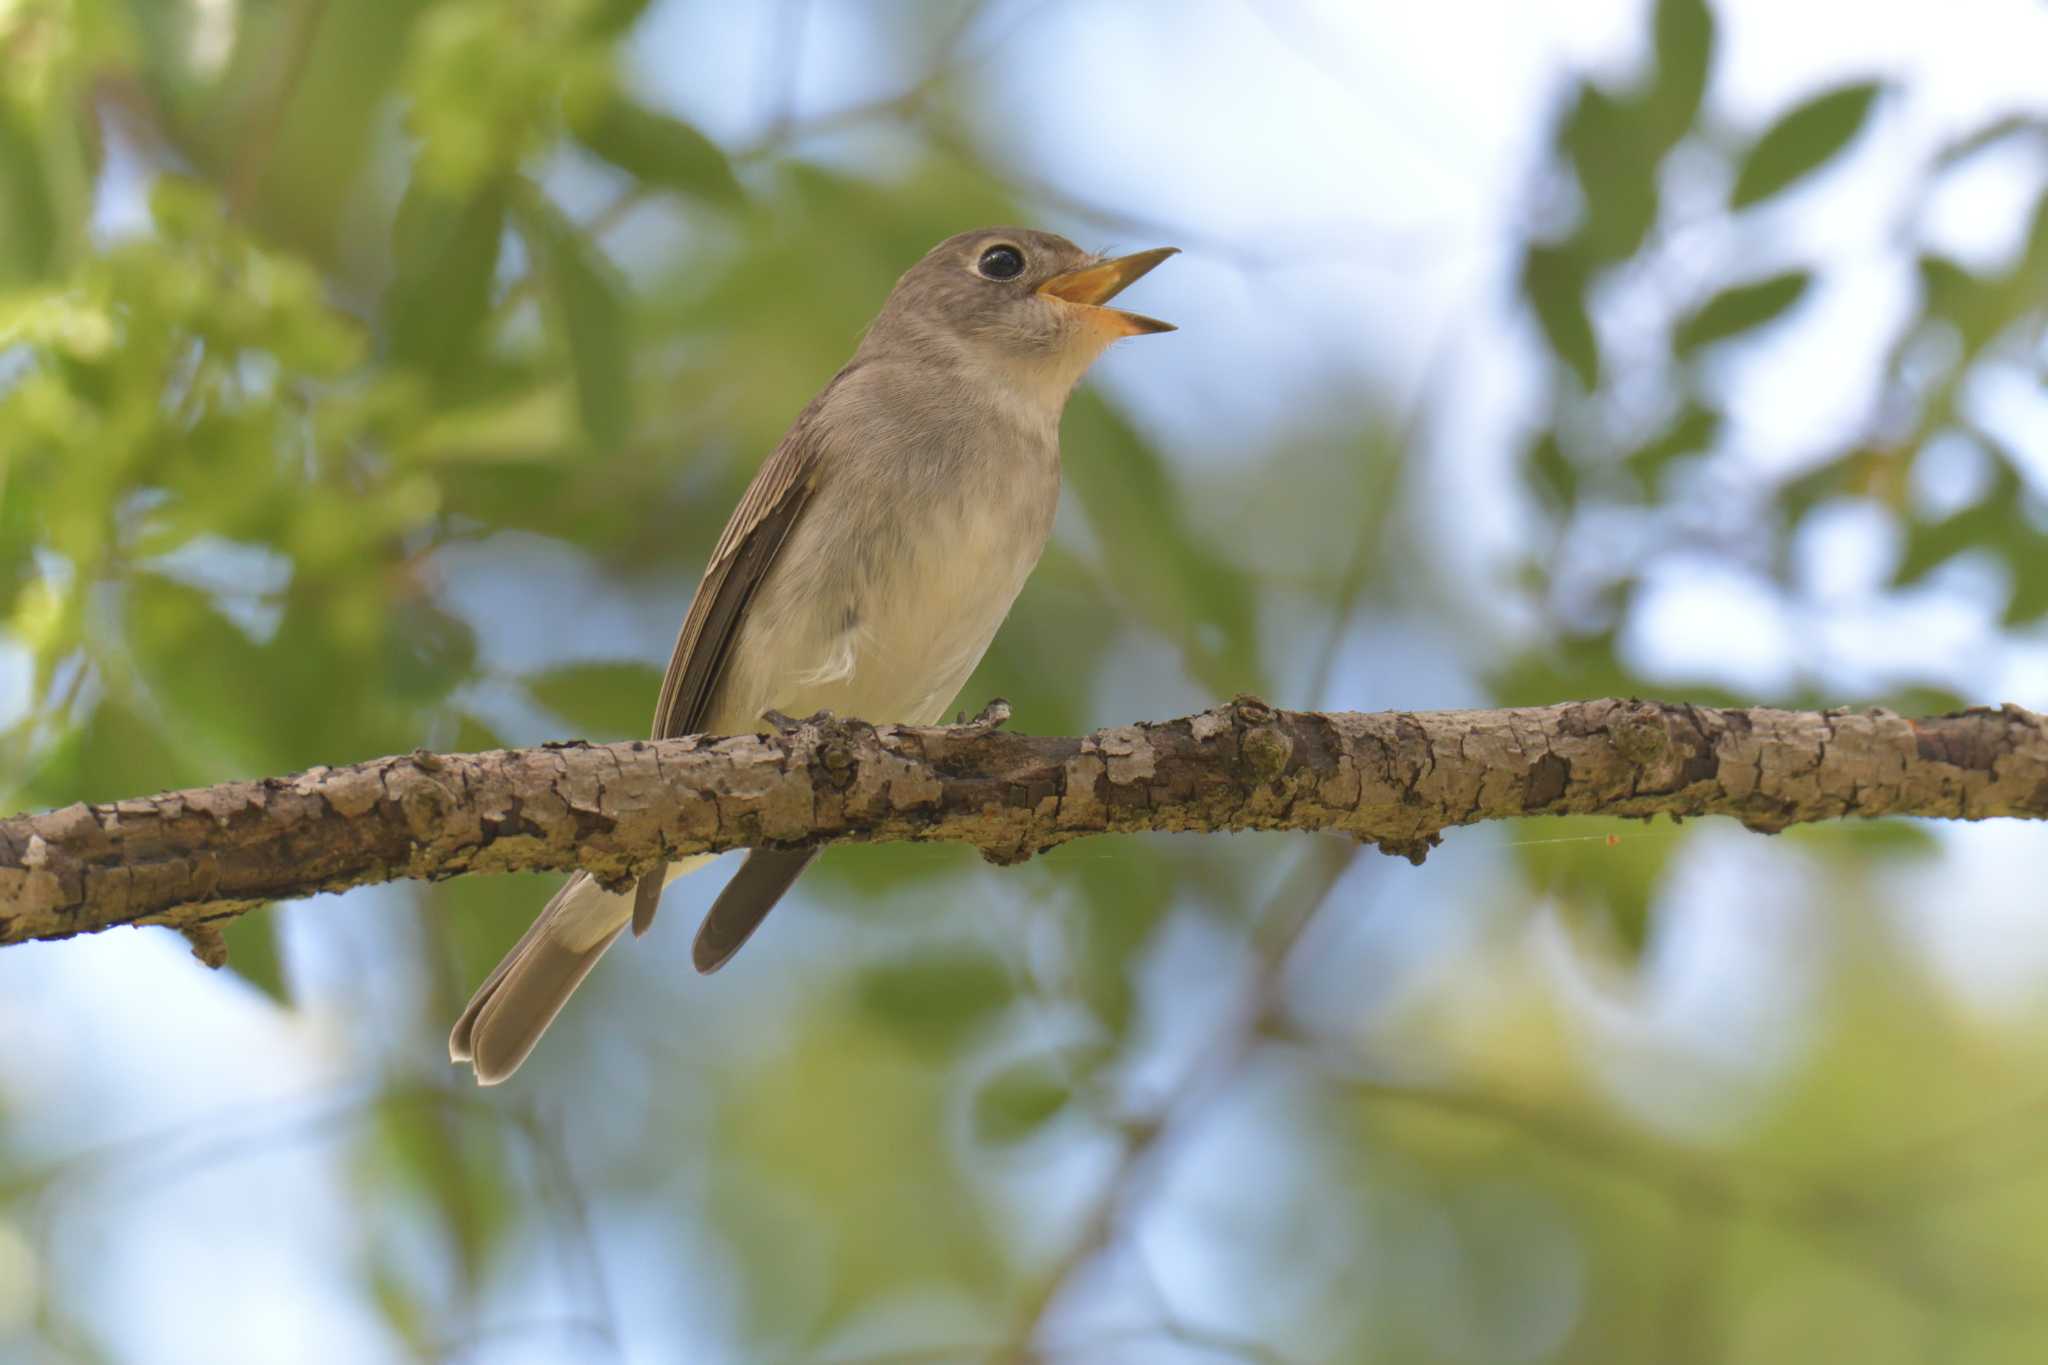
(1002, 263)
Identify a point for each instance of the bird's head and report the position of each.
(1028, 305)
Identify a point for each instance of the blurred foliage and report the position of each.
(333, 396)
(1633, 294)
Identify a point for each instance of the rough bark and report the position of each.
(193, 859)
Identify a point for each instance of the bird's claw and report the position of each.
(993, 717)
(789, 725)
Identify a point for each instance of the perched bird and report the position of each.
(864, 572)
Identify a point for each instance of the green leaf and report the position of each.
(1551, 472)
(1600, 864)
(612, 18)
(1692, 432)
(604, 701)
(1837, 477)
(1554, 280)
(452, 1170)
(293, 152)
(114, 752)
(1615, 162)
(587, 302)
(658, 148)
(1995, 524)
(28, 226)
(2001, 524)
(1910, 701)
(2029, 600)
(2029, 279)
(1976, 307)
(212, 683)
(474, 735)
(2007, 127)
(427, 653)
(1737, 310)
(530, 426)
(938, 999)
(1124, 900)
(1570, 668)
(444, 254)
(399, 1299)
(1855, 844)
(253, 952)
(1684, 37)
(1803, 141)
(1018, 1101)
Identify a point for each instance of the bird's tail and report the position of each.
(522, 996)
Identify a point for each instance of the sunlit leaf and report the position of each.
(1803, 141)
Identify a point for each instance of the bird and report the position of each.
(865, 571)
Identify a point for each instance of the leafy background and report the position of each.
(377, 375)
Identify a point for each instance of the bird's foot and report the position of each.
(993, 717)
(789, 725)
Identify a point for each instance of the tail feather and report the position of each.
(745, 902)
(524, 993)
(517, 1002)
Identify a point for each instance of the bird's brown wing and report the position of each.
(740, 561)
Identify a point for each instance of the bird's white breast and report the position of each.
(900, 572)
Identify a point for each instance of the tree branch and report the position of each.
(195, 858)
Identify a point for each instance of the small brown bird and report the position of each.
(864, 572)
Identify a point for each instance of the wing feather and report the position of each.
(745, 553)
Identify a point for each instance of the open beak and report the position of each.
(1091, 286)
